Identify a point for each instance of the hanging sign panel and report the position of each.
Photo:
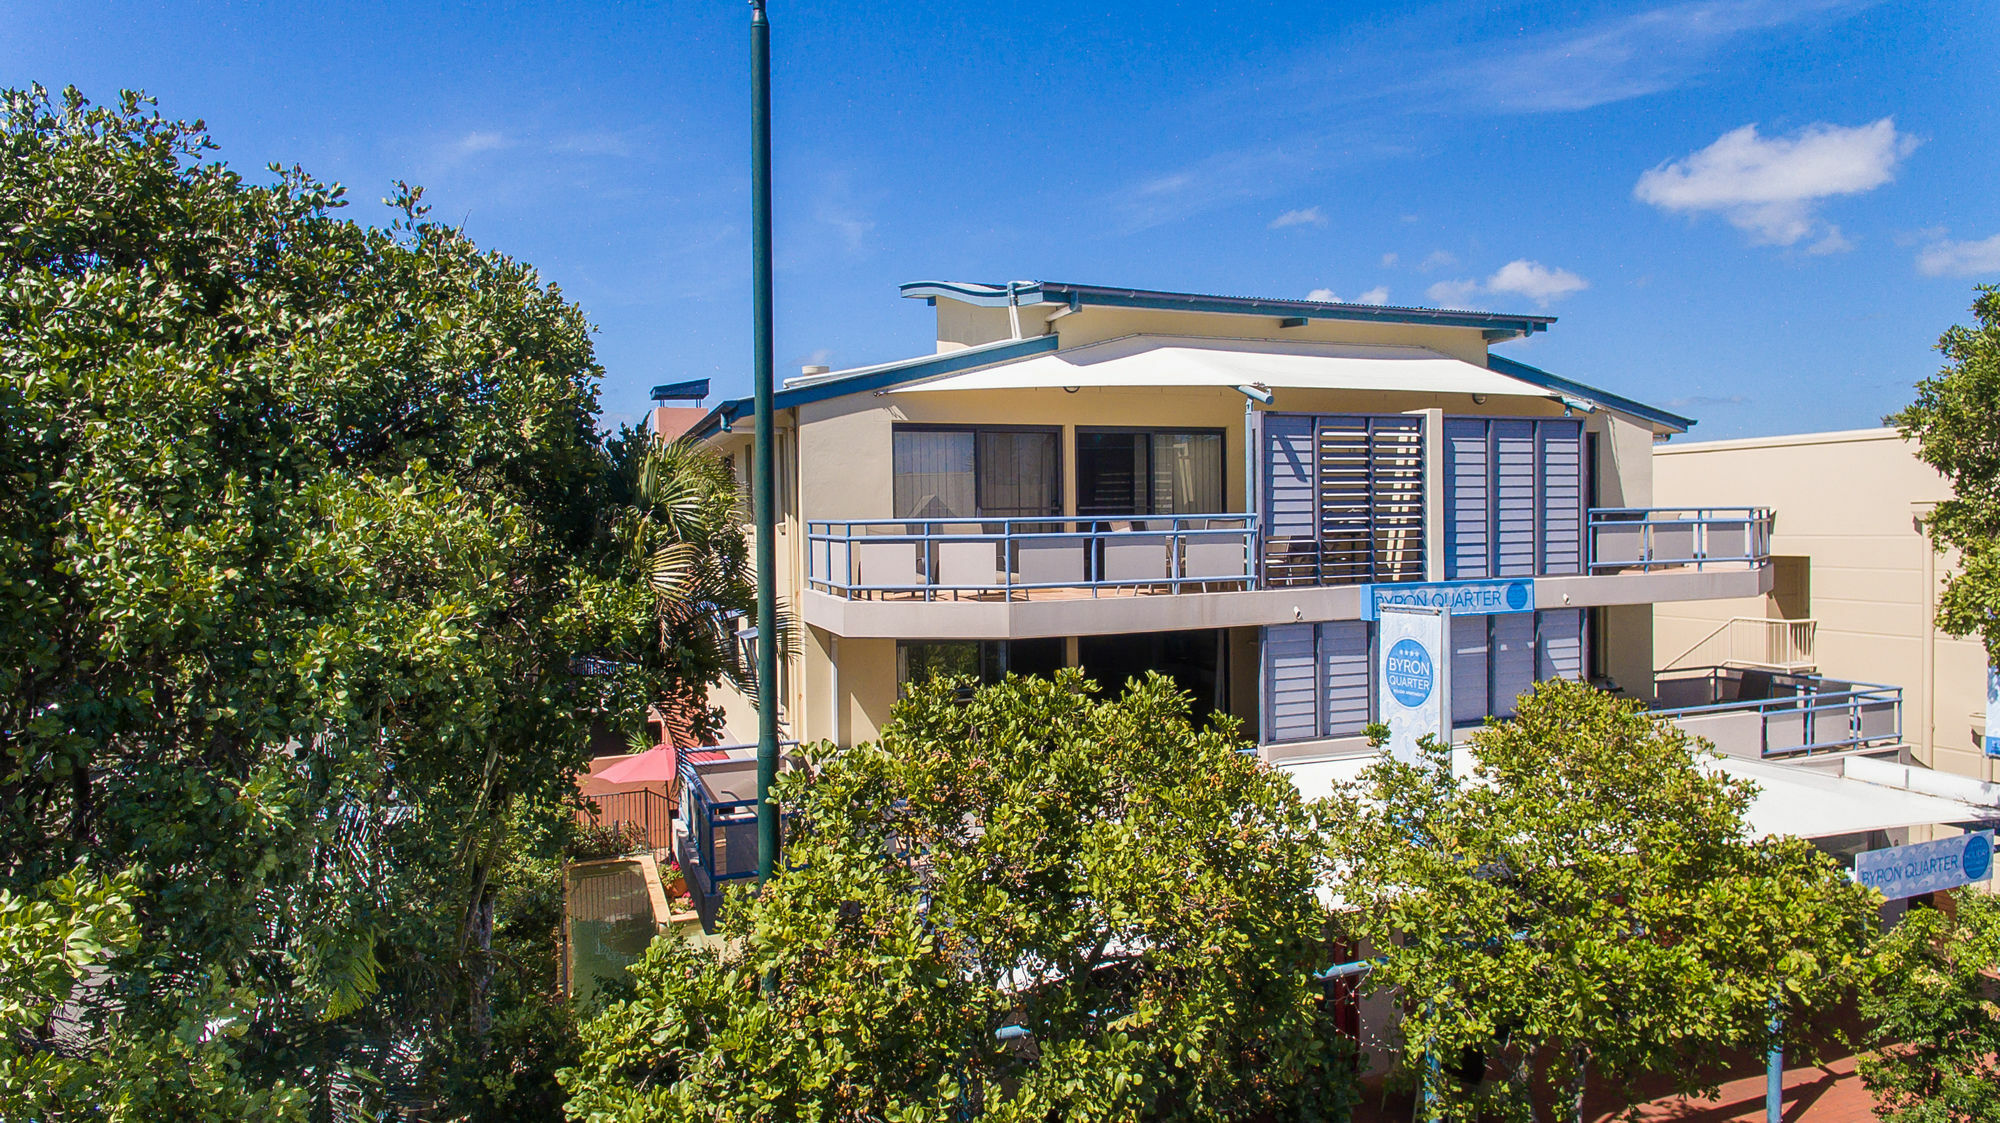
(1413, 676)
(1927, 867)
(1459, 598)
(1992, 738)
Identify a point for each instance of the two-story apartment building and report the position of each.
(1221, 489)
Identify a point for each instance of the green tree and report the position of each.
(314, 575)
(1135, 892)
(1935, 1009)
(1587, 903)
(72, 927)
(1955, 421)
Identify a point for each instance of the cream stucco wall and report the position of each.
(1848, 502)
(835, 462)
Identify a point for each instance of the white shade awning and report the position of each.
(1162, 360)
(1791, 799)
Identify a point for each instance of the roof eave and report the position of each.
(881, 376)
(1653, 415)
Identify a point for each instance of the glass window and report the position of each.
(1140, 472)
(988, 661)
(1192, 659)
(976, 473)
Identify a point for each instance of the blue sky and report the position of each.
(1594, 161)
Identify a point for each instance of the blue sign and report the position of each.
(1459, 598)
(1413, 677)
(1926, 867)
(1409, 673)
(1992, 712)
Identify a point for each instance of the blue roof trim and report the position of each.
(1077, 296)
(1539, 377)
(861, 380)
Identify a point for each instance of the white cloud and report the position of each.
(1323, 295)
(1309, 216)
(477, 141)
(1833, 241)
(1945, 258)
(1377, 295)
(1521, 277)
(1621, 57)
(1438, 259)
(1388, 261)
(1771, 188)
(1452, 294)
(1535, 281)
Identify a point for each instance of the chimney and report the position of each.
(810, 369)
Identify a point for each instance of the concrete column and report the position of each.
(1434, 496)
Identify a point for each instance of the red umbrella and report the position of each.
(655, 765)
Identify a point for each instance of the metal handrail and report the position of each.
(704, 817)
(1700, 525)
(831, 555)
(1804, 712)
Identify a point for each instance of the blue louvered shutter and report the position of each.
(1468, 669)
(1560, 647)
(1468, 499)
(1291, 500)
(1344, 667)
(1562, 496)
(1345, 500)
(1292, 710)
(1514, 498)
(1513, 658)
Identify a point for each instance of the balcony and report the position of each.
(1020, 559)
(1755, 713)
(715, 834)
(1624, 539)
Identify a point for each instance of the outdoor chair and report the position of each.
(968, 565)
(1136, 559)
(1050, 561)
(891, 564)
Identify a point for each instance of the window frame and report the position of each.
(1222, 465)
(1061, 474)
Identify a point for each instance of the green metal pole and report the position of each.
(764, 473)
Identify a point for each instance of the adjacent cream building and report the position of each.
(1852, 569)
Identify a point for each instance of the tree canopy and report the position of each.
(1587, 900)
(314, 575)
(1935, 1009)
(1955, 421)
(1133, 893)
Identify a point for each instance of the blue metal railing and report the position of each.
(1647, 538)
(716, 839)
(1755, 713)
(1014, 556)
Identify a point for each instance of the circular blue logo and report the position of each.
(1409, 672)
(1978, 860)
(1517, 597)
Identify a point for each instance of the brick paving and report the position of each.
(1825, 1093)
(1829, 1092)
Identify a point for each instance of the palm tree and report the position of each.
(685, 532)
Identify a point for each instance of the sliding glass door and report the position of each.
(946, 473)
(1126, 472)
